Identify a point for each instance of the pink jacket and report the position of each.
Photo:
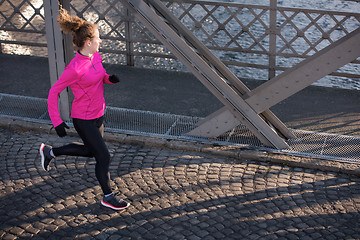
(86, 77)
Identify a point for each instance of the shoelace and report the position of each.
(116, 197)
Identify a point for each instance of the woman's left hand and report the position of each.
(60, 130)
(114, 79)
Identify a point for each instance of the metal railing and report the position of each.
(247, 38)
(22, 27)
(169, 126)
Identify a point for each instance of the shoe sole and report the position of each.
(112, 207)
(41, 149)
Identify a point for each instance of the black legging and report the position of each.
(91, 132)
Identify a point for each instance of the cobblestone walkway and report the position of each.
(174, 195)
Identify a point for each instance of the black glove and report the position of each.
(114, 79)
(60, 130)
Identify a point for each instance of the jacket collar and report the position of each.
(79, 55)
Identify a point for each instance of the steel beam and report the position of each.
(305, 73)
(343, 51)
(216, 84)
(215, 124)
(222, 118)
(56, 53)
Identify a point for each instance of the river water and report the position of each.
(331, 5)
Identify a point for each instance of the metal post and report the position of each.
(129, 44)
(56, 56)
(272, 39)
(68, 50)
(67, 38)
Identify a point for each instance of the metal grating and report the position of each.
(171, 126)
(148, 123)
(22, 107)
(322, 144)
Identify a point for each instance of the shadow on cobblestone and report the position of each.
(297, 215)
(175, 194)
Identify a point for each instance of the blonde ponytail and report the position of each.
(81, 30)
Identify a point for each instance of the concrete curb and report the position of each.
(322, 164)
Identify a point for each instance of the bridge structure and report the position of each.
(241, 105)
(250, 108)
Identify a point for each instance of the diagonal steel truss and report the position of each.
(241, 105)
(226, 87)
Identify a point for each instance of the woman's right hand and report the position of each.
(60, 130)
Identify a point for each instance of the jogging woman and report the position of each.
(86, 76)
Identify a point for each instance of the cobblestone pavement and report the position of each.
(174, 194)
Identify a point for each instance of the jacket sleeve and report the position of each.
(106, 79)
(66, 79)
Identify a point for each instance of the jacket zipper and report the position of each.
(92, 64)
